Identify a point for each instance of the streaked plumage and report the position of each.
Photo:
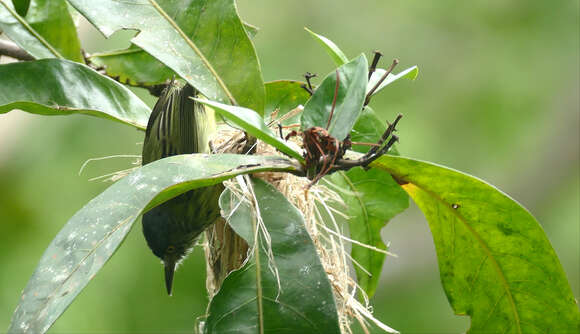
(178, 125)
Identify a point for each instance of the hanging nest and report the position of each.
(320, 205)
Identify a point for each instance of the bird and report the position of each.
(178, 125)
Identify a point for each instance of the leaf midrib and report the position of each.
(84, 258)
(194, 47)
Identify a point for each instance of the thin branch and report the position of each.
(390, 129)
(377, 56)
(372, 91)
(13, 51)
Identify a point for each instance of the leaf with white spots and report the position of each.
(250, 299)
(93, 234)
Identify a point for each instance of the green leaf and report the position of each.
(496, 263)
(47, 30)
(136, 67)
(251, 29)
(238, 214)
(133, 66)
(332, 49)
(204, 42)
(250, 301)
(21, 6)
(284, 96)
(252, 123)
(372, 198)
(93, 234)
(411, 73)
(367, 129)
(73, 89)
(349, 100)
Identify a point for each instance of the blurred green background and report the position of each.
(497, 97)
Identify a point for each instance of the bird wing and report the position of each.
(177, 125)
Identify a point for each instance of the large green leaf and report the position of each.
(93, 234)
(253, 124)
(204, 42)
(332, 49)
(284, 96)
(352, 79)
(62, 87)
(496, 263)
(47, 30)
(372, 198)
(250, 299)
(135, 66)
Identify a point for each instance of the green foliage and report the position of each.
(133, 66)
(21, 6)
(496, 263)
(46, 31)
(93, 234)
(371, 199)
(340, 59)
(252, 123)
(74, 88)
(136, 67)
(251, 300)
(494, 258)
(410, 73)
(367, 129)
(283, 96)
(347, 102)
(332, 49)
(225, 69)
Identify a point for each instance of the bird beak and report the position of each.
(169, 270)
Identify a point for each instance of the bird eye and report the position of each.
(170, 249)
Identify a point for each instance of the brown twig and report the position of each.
(309, 76)
(308, 86)
(373, 66)
(376, 86)
(365, 160)
(12, 50)
(390, 129)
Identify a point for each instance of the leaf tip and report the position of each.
(414, 73)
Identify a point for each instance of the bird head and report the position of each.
(167, 242)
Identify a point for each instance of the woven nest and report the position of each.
(320, 206)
